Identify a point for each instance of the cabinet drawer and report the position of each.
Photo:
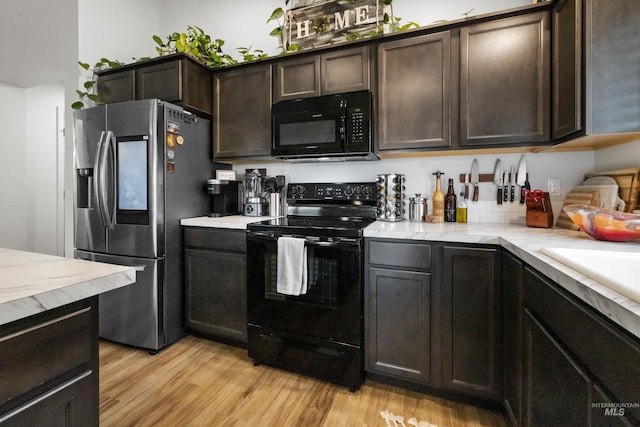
(610, 353)
(400, 255)
(215, 239)
(39, 353)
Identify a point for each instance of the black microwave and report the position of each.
(331, 127)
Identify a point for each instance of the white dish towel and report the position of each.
(292, 266)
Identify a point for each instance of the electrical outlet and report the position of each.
(553, 186)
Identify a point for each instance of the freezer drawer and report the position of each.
(133, 314)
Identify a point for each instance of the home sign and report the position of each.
(323, 22)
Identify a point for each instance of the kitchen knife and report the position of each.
(466, 186)
(512, 184)
(522, 177)
(505, 183)
(475, 178)
(498, 179)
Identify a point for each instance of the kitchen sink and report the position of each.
(619, 271)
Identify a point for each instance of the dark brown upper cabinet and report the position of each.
(177, 78)
(596, 83)
(338, 71)
(567, 90)
(242, 112)
(505, 81)
(414, 92)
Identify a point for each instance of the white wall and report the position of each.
(618, 157)
(44, 143)
(118, 29)
(13, 169)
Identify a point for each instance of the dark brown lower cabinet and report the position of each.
(398, 317)
(49, 368)
(400, 297)
(580, 368)
(471, 358)
(215, 283)
(557, 392)
(432, 315)
(512, 306)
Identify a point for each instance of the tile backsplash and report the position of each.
(569, 168)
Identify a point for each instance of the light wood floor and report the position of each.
(198, 382)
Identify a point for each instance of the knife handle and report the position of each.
(466, 191)
(513, 193)
(475, 192)
(506, 192)
(499, 199)
(526, 186)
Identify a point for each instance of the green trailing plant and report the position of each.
(278, 15)
(87, 94)
(197, 44)
(248, 55)
(394, 22)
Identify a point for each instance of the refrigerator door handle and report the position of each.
(97, 181)
(105, 146)
(110, 154)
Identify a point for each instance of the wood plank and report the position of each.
(197, 382)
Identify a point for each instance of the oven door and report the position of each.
(332, 307)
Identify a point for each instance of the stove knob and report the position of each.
(367, 191)
(348, 191)
(301, 190)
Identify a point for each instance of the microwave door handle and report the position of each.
(343, 127)
(98, 186)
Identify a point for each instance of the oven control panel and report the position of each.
(337, 191)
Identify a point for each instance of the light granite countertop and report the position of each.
(238, 222)
(522, 241)
(31, 283)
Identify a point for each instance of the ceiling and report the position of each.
(38, 38)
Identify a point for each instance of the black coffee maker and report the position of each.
(224, 197)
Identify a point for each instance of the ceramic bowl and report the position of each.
(605, 224)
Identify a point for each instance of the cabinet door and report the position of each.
(345, 70)
(567, 68)
(612, 41)
(216, 296)
(297, 78)
(398, 319)
(557, 391)
(242, 112)
(512, 306)
(504, 81)
(471, 321)
(163, 81)
(116, 86)
(414, 86)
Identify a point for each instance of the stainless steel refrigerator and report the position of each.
(140, 167)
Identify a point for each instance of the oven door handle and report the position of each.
(332, 243)
(309, 241)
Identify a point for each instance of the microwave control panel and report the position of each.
(358, 131)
